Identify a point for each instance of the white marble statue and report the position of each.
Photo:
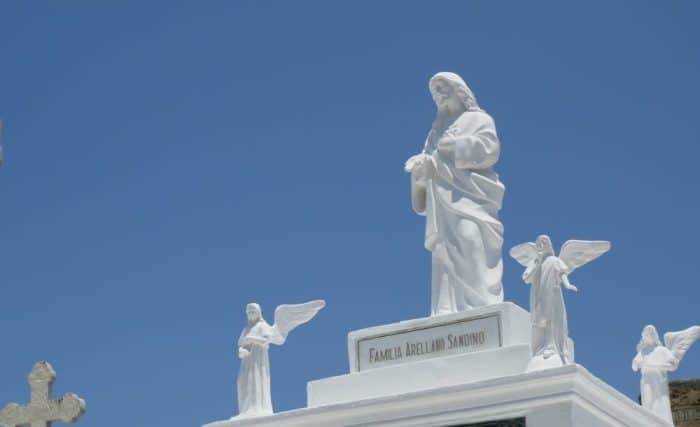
(656, 360)
(545, 272)
(254, 398)
(454, 186)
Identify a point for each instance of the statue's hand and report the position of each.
(243, 353)
(415, 162)
(420, 166)
(571, 287)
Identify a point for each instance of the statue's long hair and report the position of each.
(652, 330)
(256, 307)
(458, 84)
(548, 246)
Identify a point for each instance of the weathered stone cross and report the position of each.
(41, 410)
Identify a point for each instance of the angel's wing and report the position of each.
(524, 253)
(679, 342)
(289, 316)
(576, 253)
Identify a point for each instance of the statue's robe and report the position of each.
(460, 198)
(254, 397)
(547, 309)
(655, 364)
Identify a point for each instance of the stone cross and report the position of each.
(41, 410)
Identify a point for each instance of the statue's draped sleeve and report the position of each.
(419, 183)
(419, 189)
(261, 334)
(479, 150)
(637, 362)
(241, 342)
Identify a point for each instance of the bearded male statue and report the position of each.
(454, 186)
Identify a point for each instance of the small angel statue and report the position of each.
(656, 360)
(545, 272)
(254, 397)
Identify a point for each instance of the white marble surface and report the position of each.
(507, 353)
(513, 321)
(419, 376)
(656, 361)
(568, 396)
(454, 186)
(546, 273)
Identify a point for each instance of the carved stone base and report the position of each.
(561, 397)
(419, 376)
(427, 353)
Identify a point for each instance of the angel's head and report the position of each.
(544, 246)
(451, 93)
(650, 338)
(253, 312)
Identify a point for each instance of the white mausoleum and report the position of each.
(462, 369)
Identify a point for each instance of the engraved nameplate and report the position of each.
(457, 337)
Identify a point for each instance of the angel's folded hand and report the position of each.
(414, 162)
(256, 340)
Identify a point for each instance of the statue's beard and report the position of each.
(446, 109)
(443, 107)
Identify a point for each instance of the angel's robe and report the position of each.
(655, 364)
(460, 200)
(550, 330)
(254, 397)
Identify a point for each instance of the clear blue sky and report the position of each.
(169, 162)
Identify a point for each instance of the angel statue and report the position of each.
(656, 360)
(254, 397)
(454, 186)
(545, 272)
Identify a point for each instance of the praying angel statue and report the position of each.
(545, 272)
(656, 360)
(254, 397)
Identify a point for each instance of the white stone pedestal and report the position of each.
(431, 352)
(562, 397)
